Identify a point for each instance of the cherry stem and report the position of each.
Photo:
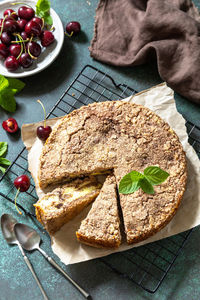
(44, 112)
(21, 41)
(33, 57)
(22, 44)
(42, 23)
(3, 24)
(16, 202)
(13, 13)
(69, 35)
(15, 3)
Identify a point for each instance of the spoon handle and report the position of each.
(55, 265)
(33, 273)
(35, 276)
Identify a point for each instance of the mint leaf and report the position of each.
(2, 169)
(48, 20)
(128, 186)
(3, 83)
(41, 14)
(8, 88)
(129, 183)
(146, 186)
(14, 91)
(16, 84)
(42, 5)
(43, 11)
(4, 161)
(134, 180)
(155, 175)
(3, 148)
(7, 100)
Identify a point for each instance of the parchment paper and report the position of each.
(160, 99)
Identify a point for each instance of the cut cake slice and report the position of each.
(101, 227)
(61, 205)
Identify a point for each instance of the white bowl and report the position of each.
(47, 56)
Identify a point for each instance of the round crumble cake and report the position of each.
(119, 136)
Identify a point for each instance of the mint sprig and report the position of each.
(134, 180)
(3, 148)
(43, 11)
(3, 160)
(8, 88)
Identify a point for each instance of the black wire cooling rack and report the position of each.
(147, 265)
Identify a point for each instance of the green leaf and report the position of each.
(14, 91)
(7, 100)
(4, 161)
(41, 14)
(129, 183)
(8, 88)
(135, 175)
(3, 83)
(155, 175)
(42, 5)
(134, 180)
(3, 148)
(16, 84)
(48, 20)
(146, 186)
(2, 169)
(43, 11)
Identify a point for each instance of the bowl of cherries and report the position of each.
(27, 44)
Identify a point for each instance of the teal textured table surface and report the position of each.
(16, 282)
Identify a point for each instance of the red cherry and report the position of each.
(21, 24)
(6, 38)
(34, 49)
(47, 38)
(10, 12)
(15, 49)
(10, 125)
(73, 28)
(26, 13)
(11, 63)
(4, 52)
(24, 35)
(10, 26)
(38, 20)
(33, 28)
(25, 60)
(43, 132)
(22, 183)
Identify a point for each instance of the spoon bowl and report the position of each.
(8, 224)
(27, 236)
(7, 227)
(29, 239)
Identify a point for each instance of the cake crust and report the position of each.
(101, 227)
(119, 136)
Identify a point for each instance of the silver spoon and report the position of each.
(30, 240)
(7, 227)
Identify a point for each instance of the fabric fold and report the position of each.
(130, 33)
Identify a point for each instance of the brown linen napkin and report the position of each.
(131, 32)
